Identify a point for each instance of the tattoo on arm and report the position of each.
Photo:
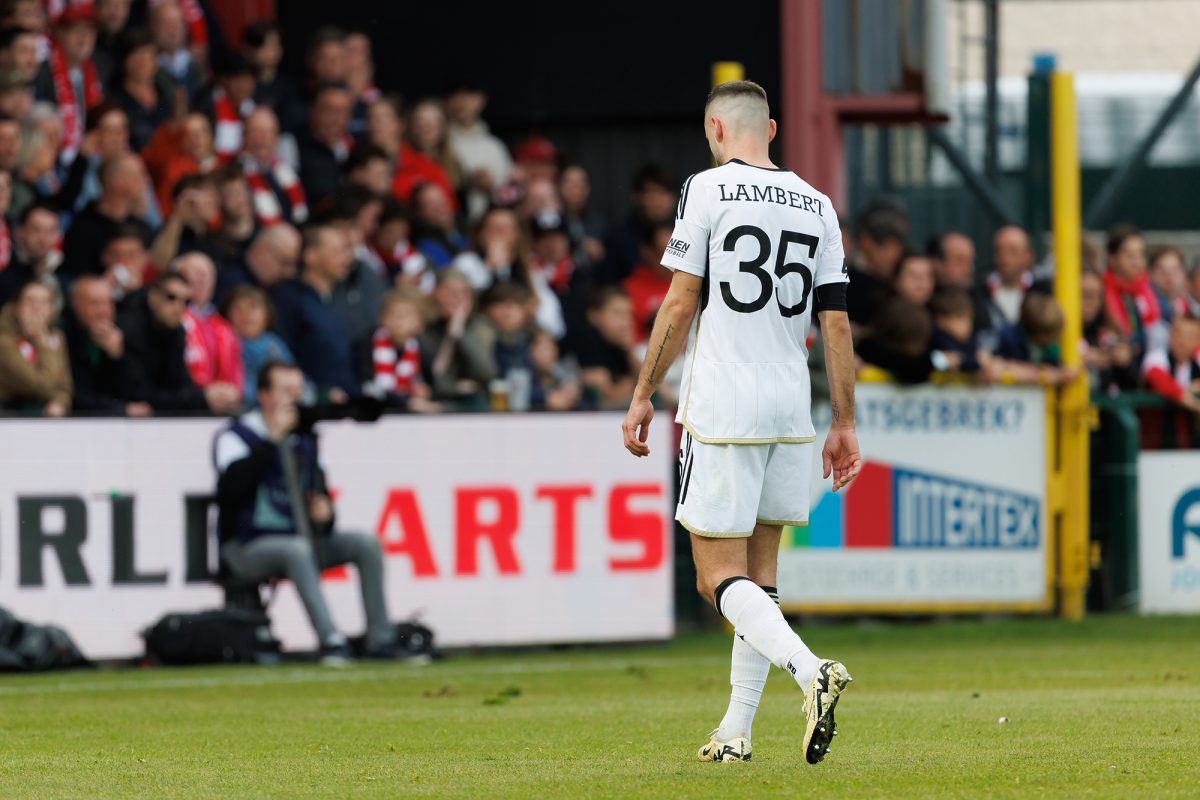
(653, 378)
(837, 411)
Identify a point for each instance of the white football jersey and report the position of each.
(762, 239)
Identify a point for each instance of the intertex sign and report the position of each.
(1169, 532)
(948, 513)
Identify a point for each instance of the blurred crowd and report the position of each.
(921, 312)
(176, 210)
(174, 213)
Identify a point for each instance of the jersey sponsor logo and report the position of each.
(678, 248)
(894, 508)
(1185, 521)
(754, 193)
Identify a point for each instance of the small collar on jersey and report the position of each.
(744, 164)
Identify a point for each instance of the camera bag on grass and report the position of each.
(220, 636)
(25, 647)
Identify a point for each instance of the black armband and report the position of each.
(830, 297)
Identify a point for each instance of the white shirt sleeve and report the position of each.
(688, 248)
(831, 264)
(230, 448)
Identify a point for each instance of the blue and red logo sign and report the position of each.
(889, 507)
(1184, 523)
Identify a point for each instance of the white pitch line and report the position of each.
(269, 676)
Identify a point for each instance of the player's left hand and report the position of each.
(841, 457)
(636, 427)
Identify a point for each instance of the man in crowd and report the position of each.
(156, 372)
(68, 77)
(276, 518)
(35, 255)
(953, 255)
(96, 347)
(484, 158)
(275, 187)
(655, 195)
(879, 246)
(325, 145)
(1012, 275)
(122, 181)
(306, 318)
(270, 260)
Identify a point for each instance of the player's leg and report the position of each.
(748, 670)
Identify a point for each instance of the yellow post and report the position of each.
(1072, 438)
(726, 71)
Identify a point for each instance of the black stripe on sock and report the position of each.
(725, 584)
(772, 592)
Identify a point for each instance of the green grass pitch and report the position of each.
(1106, 708)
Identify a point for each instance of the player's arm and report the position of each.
(671, 326)
(841, 456)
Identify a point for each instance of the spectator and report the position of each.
(1194, 291)
(655, 195)
(608, 361)
(1130, 300)
(1168, 276)
(1174, 371)
(97, 350)
(212, 350)
(107, 137)
(122, 181)
(499, 250)
(586, 227)
(229, 103)
(273, 89)
(23, 192)
(35, 256)
(483, 158)
(1103, 351)
(34, 372)
(40, 149)
(326, 143)
(125, 262)
(19, 53)
(370, 168)
(192, 223)
(899, 340)
(169, 31)
(953, 256)
(1031, 353)
(395, 366)
(507, 308)
(156, 371)
(360, 79)
(251, 316)
(540, 197)
(1012, 275)
(237, 214)
(27, 14)
(356, 297)
(953, 314)
(276, 518)
(140, 88)
(307, 320)
(68, 77)
(270, 260)
(647, 285)
(112, 16)
(394, 253)
(558, 387)
(461, 364)
(436, 236)
(327, 57)
(879, 246)
(385, 130)
(537, 159)
(274, 186)
(6, 249)
(177, 151)
(427, 135)
(913, 280)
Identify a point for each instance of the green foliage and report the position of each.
(1106, 708)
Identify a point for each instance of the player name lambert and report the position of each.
(770, 194)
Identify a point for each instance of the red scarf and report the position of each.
(194, 16)
(1117, 294)
(558, 275)
(395, 372)
(5, 244)
(27, 350)
(267, 209)
(68, 108)
(227, 133)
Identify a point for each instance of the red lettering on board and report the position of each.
(470, 531)
(645, 527)
(563, 498)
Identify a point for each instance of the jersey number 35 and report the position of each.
(783, 268)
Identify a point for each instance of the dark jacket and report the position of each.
(321, 174)
(356, 300)
(314, 331)
(155, 369)
(99, 379)
(86, 238)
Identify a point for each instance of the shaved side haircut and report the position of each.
(741, 105)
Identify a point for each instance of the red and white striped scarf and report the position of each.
(395, 372)
(193, 15)
(68, 108)
(267, 209)
(229, 123)
(5, 244)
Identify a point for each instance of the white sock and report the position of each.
(757, 619)
(748, 673)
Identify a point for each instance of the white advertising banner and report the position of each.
(496, 529)
(1169, 532)
(949, 512)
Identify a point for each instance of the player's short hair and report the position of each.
(736, 90)
(740, 103)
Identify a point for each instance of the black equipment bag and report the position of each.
(220, 636)
(25, 647)
(415, 639)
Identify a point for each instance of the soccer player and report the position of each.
(757, 250)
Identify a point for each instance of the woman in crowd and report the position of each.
(34, 371)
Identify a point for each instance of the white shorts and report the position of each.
(725, 489)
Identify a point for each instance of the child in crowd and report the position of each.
(250, 314)
(508, 307)
(396, 366)
(954, 329)
(607, 356)
(1174, 371)
(1030, 353)
(554, 383)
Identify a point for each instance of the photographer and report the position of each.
(276, 518)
